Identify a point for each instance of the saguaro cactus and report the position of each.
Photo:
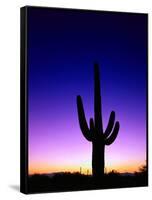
(94, 132)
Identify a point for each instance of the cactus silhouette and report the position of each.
(94, 132)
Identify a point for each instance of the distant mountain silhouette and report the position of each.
(94, 132)
(75, 181)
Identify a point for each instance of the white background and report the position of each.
(10, 97)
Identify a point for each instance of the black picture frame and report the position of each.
(24, 186)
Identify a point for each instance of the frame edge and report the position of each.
(23, 102)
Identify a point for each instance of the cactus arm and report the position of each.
(82, 120)
(97, 100)
(113, 135)
(91, 125)
(110, 125)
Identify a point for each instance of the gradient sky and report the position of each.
(62, 47)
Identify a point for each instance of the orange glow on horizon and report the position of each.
(46, 168)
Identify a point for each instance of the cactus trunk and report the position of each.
(98, 159)
(97, 144)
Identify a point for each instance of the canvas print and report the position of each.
(85, 75)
